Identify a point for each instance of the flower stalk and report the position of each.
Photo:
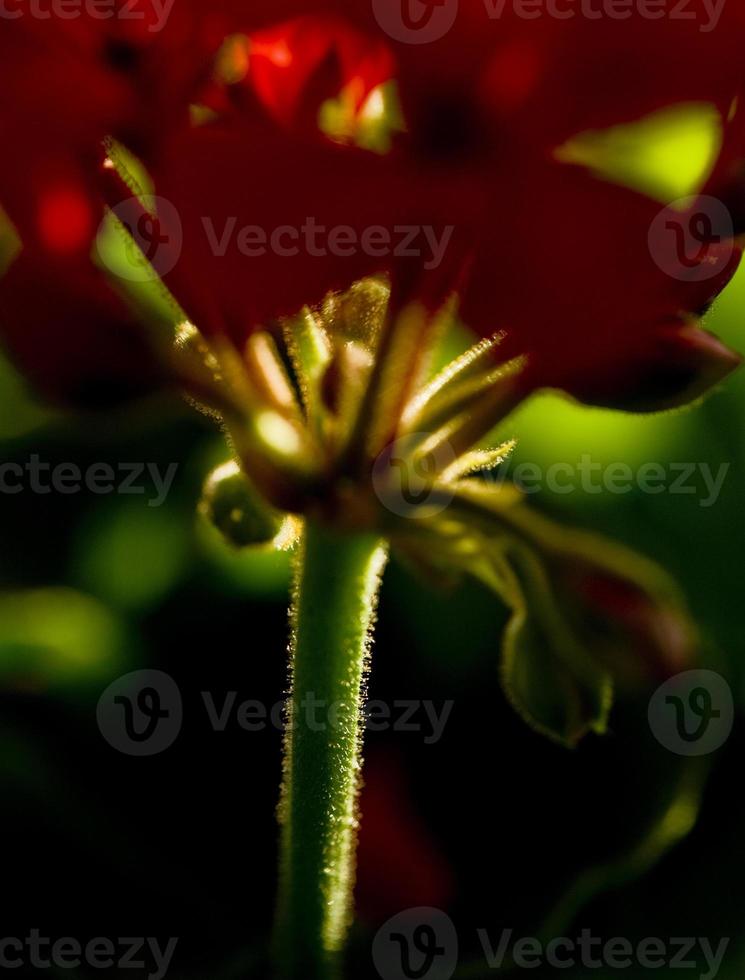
(336, 587)
(336, 436)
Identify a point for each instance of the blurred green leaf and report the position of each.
(666, 155)
(132, 555)
(57, 640)
(20, 415)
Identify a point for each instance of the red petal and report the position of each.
(567, 269)
(305, 207)
(71, 334)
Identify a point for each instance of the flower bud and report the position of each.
(631, 627)
(587, 616)
(231, 504)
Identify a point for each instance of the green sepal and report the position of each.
(587, 614)
(549, 679)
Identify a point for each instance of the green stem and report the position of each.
(337, 582)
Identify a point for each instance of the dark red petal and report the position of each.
(657, 638)
(677, 364)
(308, 209)
(71, 335)
(568, 270)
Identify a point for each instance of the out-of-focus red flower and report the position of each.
(57, 101)
(131, 72)
(296, 66)
(562, 259)
(557, 257)
(539, 248)
(399, 865)
(68, 84)
(73, 337)
(583, 293)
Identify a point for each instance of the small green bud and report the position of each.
(233, 506)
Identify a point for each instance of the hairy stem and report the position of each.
(337, 582)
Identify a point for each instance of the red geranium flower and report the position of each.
(543, 249)
(557, 257)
